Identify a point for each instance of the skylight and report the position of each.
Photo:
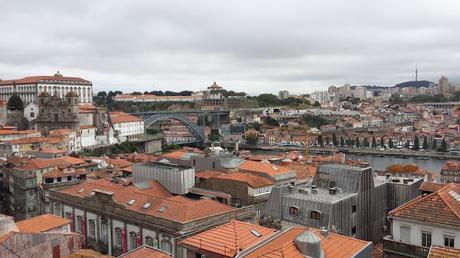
(162, 209)
(81, 190)
(146, 205)
(92, 194)
(256, 233)
(131, 202)
(455, 195)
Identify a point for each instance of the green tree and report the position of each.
(390, 143)
(416, 144)
(357, 143)
(382, 142)
(366, 143)
(152, 131)
(15, 103)
(407, 144)
(320, 141)
(342, 141)
(266, 100)
(334, 139)
(252, 139)
(435, 145)
(374, 142)
(327, 141)
(425, 143)
(317, 104)
(272, 122)
(443, 147)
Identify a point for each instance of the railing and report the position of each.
(408, 250)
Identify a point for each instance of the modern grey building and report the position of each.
(349, 200)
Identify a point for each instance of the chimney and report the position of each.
(309, 245)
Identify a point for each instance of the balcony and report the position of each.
(393, 248)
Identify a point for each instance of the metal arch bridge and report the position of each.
(196, 130)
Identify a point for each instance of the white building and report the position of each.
(126, 125)
(70, 137)
(88, 135)
(29, 88)
(433, 219)
(320, 96)
(31, 112)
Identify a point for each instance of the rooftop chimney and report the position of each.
(309, 245)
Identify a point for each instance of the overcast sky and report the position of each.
(252, 46)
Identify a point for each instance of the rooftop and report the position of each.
(228, 239)
(263, 167)
(322, 195)
(41, 223)
(252, 180)
(443, 252)
(282, 245)
(145, 252)
(149, 198)
(121, 117)
(37, 79)
(440, 207)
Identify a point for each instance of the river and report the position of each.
(380, 163)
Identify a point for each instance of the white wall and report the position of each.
(437, 233)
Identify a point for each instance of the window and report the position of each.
(118, 237)
(57, 209)
(69, 178)
(316, 215)
(132, 240)
(353, 208)
(353, 230)
(149, 241)
(404, 234)
(449, 241)
(166, 246)
(32, 114)
(294, 211)
(78, 224)
(426, 239)
(214, 165)
(92, 228)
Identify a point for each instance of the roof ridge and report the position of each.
(237, 240)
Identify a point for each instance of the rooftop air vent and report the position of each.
(255, 233)
(131, 202)
(146, 205)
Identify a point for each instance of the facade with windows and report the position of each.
(115, 218)
(429, 220)
(29, 88)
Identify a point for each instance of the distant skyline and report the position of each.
(252, 46)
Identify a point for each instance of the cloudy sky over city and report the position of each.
(252, 46)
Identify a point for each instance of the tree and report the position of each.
(357, 143)
(425, 143)
(327, 141)
(334, 139)
(407, 144)
(320, 141)
(268, 100)
(252, 139)
(152, 131)
(15, 103)
(443, 147)
(272, 122)
(390, 143)
(214, 135)
(317, 104)
(416, 144)
(136, 93)
(102, 94)
(435, 145)
(374, 142)
(382, 142)
(366, 143)
(342, 141)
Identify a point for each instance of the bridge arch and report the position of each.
(196, 130)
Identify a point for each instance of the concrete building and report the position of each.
(430, 220)
(346, 199)
(443, 86)
(29, 88)
(283, 94)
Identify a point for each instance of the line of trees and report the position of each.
(417, 143)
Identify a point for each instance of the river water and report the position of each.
(380, 163)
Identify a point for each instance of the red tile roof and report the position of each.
(440, 207)
(431, 187)
(176, 208)
(263, 167)
(175, 154)
(206, 174)
(121, 117)
(333, 246)
(36, 79)
(146, 252)
(228, 239)
(41, 223)
(61, 173)
(443, 252)
(252, 180)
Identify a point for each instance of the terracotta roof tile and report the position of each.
(175, 154)
(146, 252)
(121, 117)
(36, 79)
(176, 208)
(443, 252)
(41, 223)
(206, 174)
(440, 207)
(227, 239)
(431, 187)
(252, 180)
(262, 167)
(333, 246)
